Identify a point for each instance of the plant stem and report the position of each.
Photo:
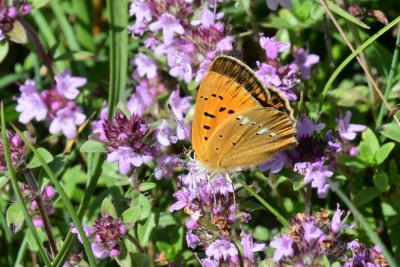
(46, 59)
(42, 208)
(136, 243)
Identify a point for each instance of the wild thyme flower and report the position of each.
(126, 141)
(104, 236)
(309, 240)
(55, 104)
(362, 256)
(346, 130)
(18, 150)
(185, 40)
(214, 219)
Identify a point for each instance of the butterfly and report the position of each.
(238, 122)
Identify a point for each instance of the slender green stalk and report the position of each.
(117, 11)
(21, 252)
(371, 233)
(20, 199)
(388, 87)
(67, 203)
(280, 217)
(334, 75)
(94, 171)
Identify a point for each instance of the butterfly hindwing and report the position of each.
(254, 135)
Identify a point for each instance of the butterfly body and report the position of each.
(238, 122)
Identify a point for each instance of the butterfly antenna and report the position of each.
(183, 152)
(180, 123)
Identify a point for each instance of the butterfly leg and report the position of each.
(212, 188)
(228, 178)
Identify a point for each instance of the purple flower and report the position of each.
(315, 174)
(273, 47)
(66, 121)
(208, 263)
(204, 66)
(192, 240)
(312, 232)
(141, 99)
(126, 141)
(141, 10)
(275, 163)
(304, 61)
(306, 127)
(165, 167)
(225, 44)
(108, 232)
(67, 85)
(169, 24)
(283, 247)
(183, 197)
(273, 4)
(145, 66)
(180, 65)
(336, 223)
(2, 36)
(267, 74)
(249, 248)
(222, 249)
(207, 18)
(165, 134)
(346, 130)
(97, 126)
(30, 104)
(125, 157)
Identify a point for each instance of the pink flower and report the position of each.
(67, 85)
(66, 121)
(169, 24)
(283, 246)
(222, 249)
(273, 47)
(346, 130)
(145, 66)
(305, 61)
(30, 104)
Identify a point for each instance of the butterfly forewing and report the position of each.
(219, 98)
(254, 136)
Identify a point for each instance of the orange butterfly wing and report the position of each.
(228, 89)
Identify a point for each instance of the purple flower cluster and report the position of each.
(125, 140)
(362, 256)
(18, 150)
(104, 236)
(286, 78)
(48, 195)
(55, 105)
(189, 44)
(214, 220)
(9, 13)
(310, 157)
(309, 239)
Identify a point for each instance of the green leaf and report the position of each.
(108, 207)
(131, 215)
(145, 206)
(383, 152)
(15, 218)
(381, 181)
(124, 258)
(46, 155)
(348, 97)
(18, 34)
(92, 146)
(392, 131)
(38, 3)
(334, 8)
(76, 56)
(298, 184)
(370, 138)
(145, 230)
(140, 259)
(3, 50)
(365, 195)
(365, 153)
(4, 180)
(394, 176)
(352, 161)
(146, 186)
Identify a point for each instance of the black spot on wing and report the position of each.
(206, 127)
